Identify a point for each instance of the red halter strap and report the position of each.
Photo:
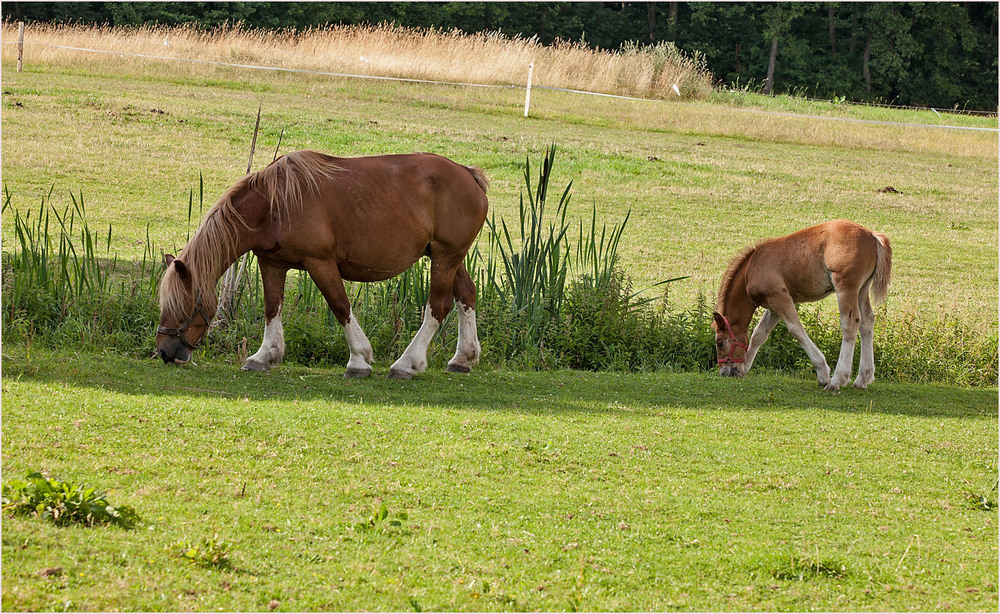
(732, 348)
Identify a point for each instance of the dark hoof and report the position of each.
(458, 369)
(254, 366)
(397, 374)
(357, 373)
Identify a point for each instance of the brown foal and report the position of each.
(837, 256)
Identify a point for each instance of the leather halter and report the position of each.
(732, 348)
(179, 332)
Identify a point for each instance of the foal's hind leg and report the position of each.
(272, 348)
(467, 352)
(439, 303)
(327, 278)
(866, 370)
(850, 320)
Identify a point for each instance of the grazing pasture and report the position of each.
(507, 489)
(503, 491)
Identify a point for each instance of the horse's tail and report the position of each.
(883, 269)
(479, 176)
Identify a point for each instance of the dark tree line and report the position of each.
(940, 54)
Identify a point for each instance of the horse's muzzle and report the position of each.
(174, 354)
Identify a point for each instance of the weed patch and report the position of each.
(795, 568)
(210, 552)
(64, 503)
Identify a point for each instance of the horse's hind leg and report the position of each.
(327, 278)
(439, 303)
(467, 352)
(866, 370)
(272, 348)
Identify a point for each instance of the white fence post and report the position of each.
(20, 44)
(527, 96)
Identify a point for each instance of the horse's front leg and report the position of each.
(326, 276)
(272, 348)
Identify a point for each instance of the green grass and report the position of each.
(502, 490)
(507, 490)
(702, 181)
(786, 103)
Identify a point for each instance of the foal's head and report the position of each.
(731, 350)
(185, 313)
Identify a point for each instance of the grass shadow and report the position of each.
(539, 393)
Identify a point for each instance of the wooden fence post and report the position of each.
(20, 44)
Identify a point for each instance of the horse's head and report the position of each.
(185, 314)
(730, 350)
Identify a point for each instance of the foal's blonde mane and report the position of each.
(283, 184)
(735, 266)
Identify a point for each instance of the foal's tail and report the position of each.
(883, 269)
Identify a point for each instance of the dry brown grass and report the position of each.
(385, 51)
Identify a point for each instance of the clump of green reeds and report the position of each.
(58, 268)
(535, 261)
(539, 279)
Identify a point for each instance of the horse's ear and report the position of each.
(720, 322)
(181, 269)
(167, 259)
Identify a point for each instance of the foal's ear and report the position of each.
(720, 322)
(167, 259)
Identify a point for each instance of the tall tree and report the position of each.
(778, 19)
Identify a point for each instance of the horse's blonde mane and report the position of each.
(735, 265)
(283, 184)
(213, 245)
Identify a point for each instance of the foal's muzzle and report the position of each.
(730, 370)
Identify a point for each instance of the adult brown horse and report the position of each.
(359, 219)
(838, 256)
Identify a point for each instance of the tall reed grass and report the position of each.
(548, 298)
(487, 58)
(56, 270)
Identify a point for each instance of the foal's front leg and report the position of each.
(272, 348)
(785, 308)
(760, 334)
